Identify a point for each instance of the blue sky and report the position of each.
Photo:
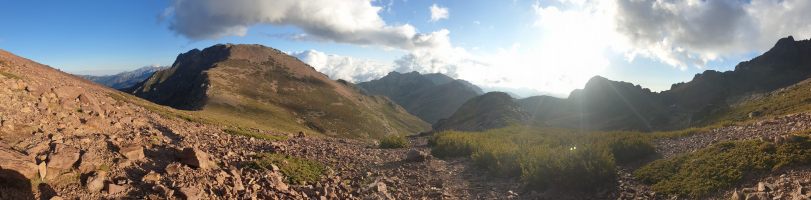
(549, 46)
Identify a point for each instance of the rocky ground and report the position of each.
(785, 184)
(65, 138)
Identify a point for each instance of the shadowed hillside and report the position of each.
(428, 96)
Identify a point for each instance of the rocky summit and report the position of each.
(261, 87)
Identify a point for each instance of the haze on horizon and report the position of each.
(527, 47)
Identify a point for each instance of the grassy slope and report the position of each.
(546, 157)
(722, 165)
(274, 99)
(792, 99)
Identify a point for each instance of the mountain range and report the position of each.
(126, 79)
(614, 105)
(430, 97)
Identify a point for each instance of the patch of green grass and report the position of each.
(393, 142)
(10, 75)
(297, 170)
(792, 99)
(253, 133)
(722, 165)
(545, 157)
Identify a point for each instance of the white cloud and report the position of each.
(438, 13)
(346, 21)
(693, 32)
(344, 67)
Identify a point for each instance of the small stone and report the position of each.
(762, 187)
(43, 170)
(152, 176)
(737, 196)
(173, 168)
(96, 183)
(56, 198)
(414, 155)
(191, 193)
(116, 189)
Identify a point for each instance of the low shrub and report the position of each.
(545, 157)
(722, 165)
(393, 142)
(297, 170)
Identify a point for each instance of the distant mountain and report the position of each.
(428, 96)
(612, 105)
(265, 87)
(491, 110)
(124, 79)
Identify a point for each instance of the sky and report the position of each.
(527, 47)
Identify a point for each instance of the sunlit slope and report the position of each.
(265, 88)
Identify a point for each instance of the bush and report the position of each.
(393, 142)
(297, 170)
(543, 157)
(722, 165)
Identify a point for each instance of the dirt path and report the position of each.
(368, 168)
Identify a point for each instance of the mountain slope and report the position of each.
(709, 98)
(488, 111)
(124, 80)
(266, 88)
(429, 96)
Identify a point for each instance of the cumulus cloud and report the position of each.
(438, 13)
(693, 32)
(346, 21)
(344, 67)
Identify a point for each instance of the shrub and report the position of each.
(544, 157)
(297, 170)
(393, 142)
(721, 166)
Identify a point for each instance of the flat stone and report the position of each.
(64, 157)
(132, 152)
(197, 158)
(116, 189)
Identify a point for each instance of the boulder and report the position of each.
(64, 157)
(132, 151)
(414, 155)
(16, 161)
(197, 158)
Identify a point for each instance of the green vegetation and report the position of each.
(722, 165)
(252, 133)
(792, 99)
(297, 170)
(544, 157)
(9, 75)
(393, 142)
(207, 117)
